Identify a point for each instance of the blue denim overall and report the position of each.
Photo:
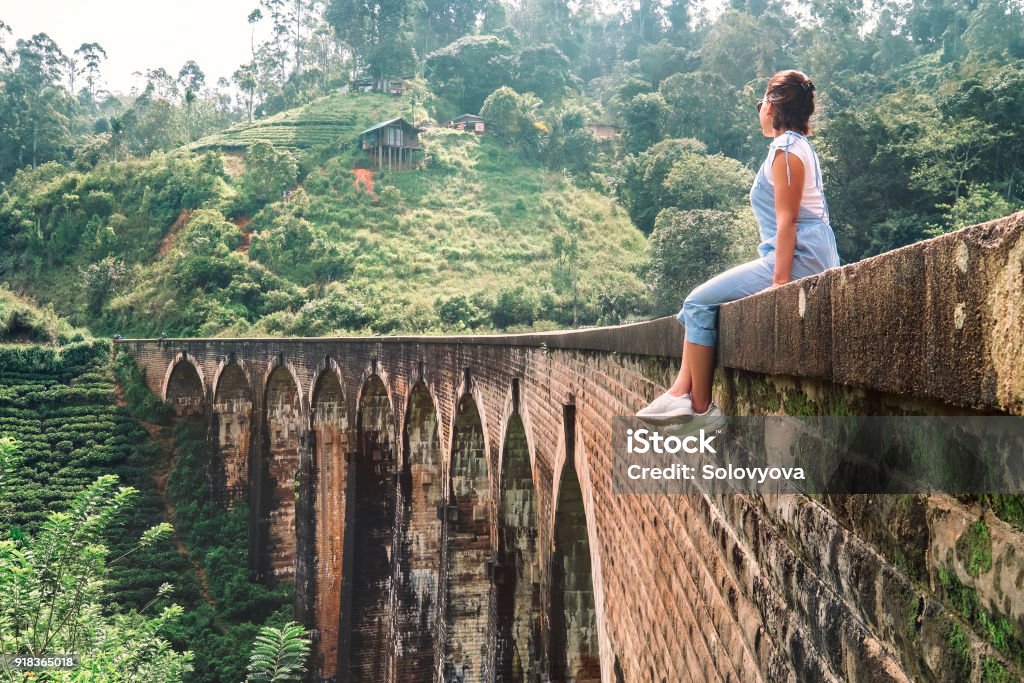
(815, 251)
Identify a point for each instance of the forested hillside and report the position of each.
(164, 210)
(478, 237)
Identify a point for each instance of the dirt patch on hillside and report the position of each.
(364, 179)
(167, 243)
(242, 222)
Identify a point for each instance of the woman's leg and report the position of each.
(700, 316)
(702, 369)
(683, 383)
(692, 380)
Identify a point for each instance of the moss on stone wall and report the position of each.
(974, 549)
(959, 652)
(999, 632)
(1007, 507)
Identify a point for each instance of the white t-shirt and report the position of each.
(812, 198)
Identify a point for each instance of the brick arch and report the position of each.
(184, 386)
(366, 649)
(327, 366)
(280, 364)
(233, 404)
(469, 549)
(331, 428)
(227, 362)
(468, 387)
(422, 489)
(374, 371)
(283, 424)
(516, 407)
(517, 576)
(574, 639)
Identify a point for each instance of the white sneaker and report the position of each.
(711, 420)
(667, 409)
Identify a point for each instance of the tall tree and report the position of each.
(378, 33)
(89, 56)
(677, 17)
(246, 78)
(191, 79)
(440, 22)
(254, 18)
(468, 70)
(275, 48)
(35, 91)
(644, 121)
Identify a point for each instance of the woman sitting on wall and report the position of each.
(796, 241)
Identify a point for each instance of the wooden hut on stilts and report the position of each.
(392, 144)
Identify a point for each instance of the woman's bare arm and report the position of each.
(788, 192)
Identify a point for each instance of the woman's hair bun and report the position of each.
(792, 95)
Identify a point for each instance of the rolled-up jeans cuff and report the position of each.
(696, 335)
(693, 333)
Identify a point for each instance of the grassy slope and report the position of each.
(482, 222)
(476, 221)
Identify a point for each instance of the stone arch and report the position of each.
(468, 389)
(419, 569)
(365, 648)
(517, 575)
(184, 387)
(330, 425)
(469, 560)
(574, 652)
(232, 427)
(283, 428)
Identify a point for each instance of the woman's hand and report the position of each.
(789, 189)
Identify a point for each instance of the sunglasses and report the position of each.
(761, 102)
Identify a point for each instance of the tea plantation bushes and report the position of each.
(329, 121)
(62, 412)
(61, 405)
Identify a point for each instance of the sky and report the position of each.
(141, 34)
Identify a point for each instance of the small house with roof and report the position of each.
(398, 85)
(392, 143)
(470, 122)
(602, 130)
(362, 85)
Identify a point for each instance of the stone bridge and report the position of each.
(444, 504)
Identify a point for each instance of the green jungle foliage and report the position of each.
(61, 405)
(279, 655)
(23, 322)
(519, 242)
(54, 596)
(918, 123)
